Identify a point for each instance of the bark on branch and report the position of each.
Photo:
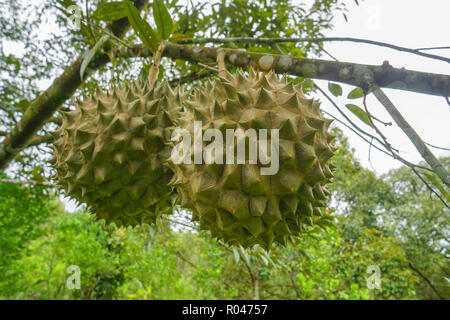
(37, 140)
(42, 109)
(385, 76)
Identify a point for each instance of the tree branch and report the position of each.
(37, 140)
(426, 154)
(429, 187)
(44, 106)
(350, 73)
(294, 285)
(354, 126)
(273, 41)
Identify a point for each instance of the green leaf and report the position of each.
(161, 73)
(22, 104)
(87, 32)
(10, 59)
(110, 11)
(264, 259)
(438, 184)
(236, 255)
(178, 36)
(148, 36)
(151, 231)
(335, 89)
(308, 85)
(245, 255)
(305, 254)
(90, 54)
(162, 18)
(360, 113)
(271, 261)
(355, 93)
(324, 224)
(36, 174)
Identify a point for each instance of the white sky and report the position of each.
(407, 23)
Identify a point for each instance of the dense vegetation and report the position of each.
(386, 221)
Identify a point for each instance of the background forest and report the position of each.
(391, 221)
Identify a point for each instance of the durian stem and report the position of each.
(221, 63)
(154, 69)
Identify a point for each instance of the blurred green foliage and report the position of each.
(380, 222)
(23, 211)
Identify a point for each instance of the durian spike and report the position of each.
(154, 69)
(221, 63)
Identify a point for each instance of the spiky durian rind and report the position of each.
(110, 152)
(234, 201)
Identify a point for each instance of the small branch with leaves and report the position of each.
(420, 145)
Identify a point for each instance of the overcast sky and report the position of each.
(408, 23)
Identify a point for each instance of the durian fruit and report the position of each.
(235, 202)
(111, 149)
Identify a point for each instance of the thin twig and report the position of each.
(386, 143)
(315, 40)
(346, 118)
(432, 48)
(412, 166)
(387, 124)
(356, 132)
(426, 280)
(401, 159)
(181, 223)
(328, 54)
(294, 285)
(436, 147)
(207, 67)
(429, 187)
